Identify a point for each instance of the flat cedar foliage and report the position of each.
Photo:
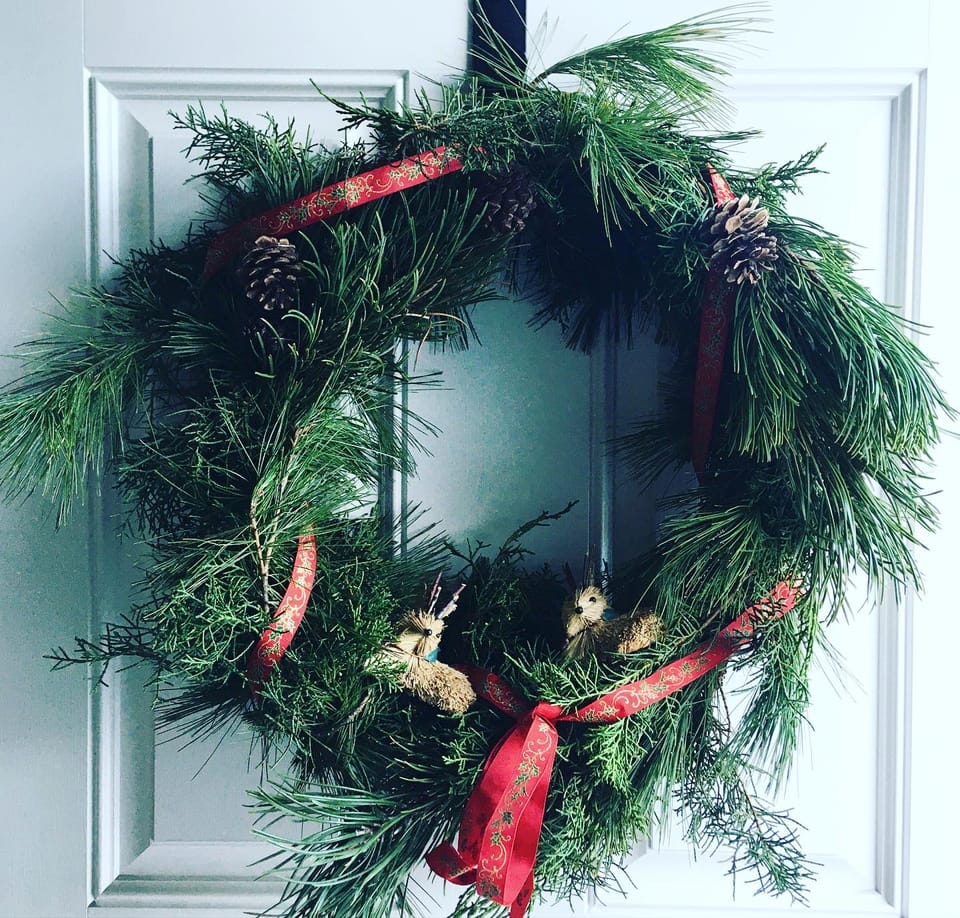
(226, 448)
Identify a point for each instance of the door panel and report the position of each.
(524, 422)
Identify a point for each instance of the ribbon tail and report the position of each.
(459, 864)
(503, 818)
(716, 313)
(511, 838)
(715, 316)
(519, 907)
(450, 864)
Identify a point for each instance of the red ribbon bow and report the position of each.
(501, 824)
(716, 312)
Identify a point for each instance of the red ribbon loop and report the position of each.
(327, 202)
(276, 639)
(503, 818)
(716, 313)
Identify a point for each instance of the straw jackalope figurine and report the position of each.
(591, 625)
(415, 648)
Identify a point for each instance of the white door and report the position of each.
(93, 812)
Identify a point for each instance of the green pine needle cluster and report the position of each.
(230, 435)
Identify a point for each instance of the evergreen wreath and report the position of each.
(237, 387)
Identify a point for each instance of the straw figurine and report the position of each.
(592, 627)
(416, 648)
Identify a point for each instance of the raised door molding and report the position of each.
(126, 113)
(903, 90)
(136, 877)
(839, 890)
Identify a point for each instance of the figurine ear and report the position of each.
(589, 568)
(451, 606)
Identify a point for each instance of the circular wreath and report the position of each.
(237, 385)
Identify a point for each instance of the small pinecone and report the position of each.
(507, 199)
(744, 250)
(270, 273)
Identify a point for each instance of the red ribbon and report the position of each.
(276, 639)
(501, 824)
(716, 312)
(329, 201)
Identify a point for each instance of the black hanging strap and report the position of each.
(508, 20)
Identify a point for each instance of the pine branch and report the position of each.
(250, 169)
(356, 859)
(661, 63)
(59, 418)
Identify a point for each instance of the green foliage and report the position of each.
(227, 447)
(724, 812)
(357, 858)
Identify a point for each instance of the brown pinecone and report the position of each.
(507, 199)
(744, 249)
(270, 272)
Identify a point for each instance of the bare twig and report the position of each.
(262, 560)
(264, 547)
